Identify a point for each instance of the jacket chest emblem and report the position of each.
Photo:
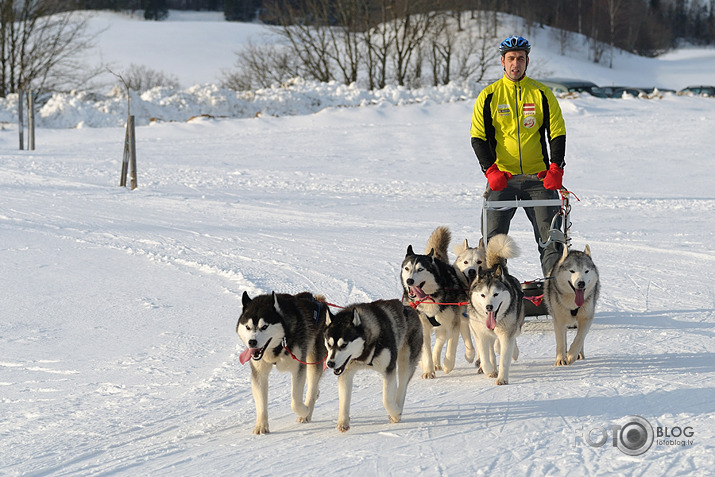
(503, 110)
(529, 109)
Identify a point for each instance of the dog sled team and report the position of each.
(474, 298)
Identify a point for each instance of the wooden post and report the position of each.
(20, 119)
(129, 159)
(125, 157)
(132, 153)
(31, 121)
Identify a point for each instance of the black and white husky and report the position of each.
(385, 336)
(496, 309)
(431, 286)
(283, 331)
(571, 292)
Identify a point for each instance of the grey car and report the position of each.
(698, 91)
(567, 85)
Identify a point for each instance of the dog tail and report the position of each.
(499, 249)
(439, 242)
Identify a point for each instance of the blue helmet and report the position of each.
(515, 43)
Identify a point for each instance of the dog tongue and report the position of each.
(245, 355)
(579, 297)
(417, 291)
(491, 320)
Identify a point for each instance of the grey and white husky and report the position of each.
(571, 292)
(496, 309)
(385, 336)
(283, 332)
(431, 286)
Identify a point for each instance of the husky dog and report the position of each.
(431, 286)
(571, 292)
(496, 309)
(384, 335)
(467, 264)
(283, 331)
(469, 260)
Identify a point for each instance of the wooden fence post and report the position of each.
(132, 153)
(31, 121)
(20, 119)
(129, 159)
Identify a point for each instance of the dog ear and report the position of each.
(587, 250)
(431, 253)
(275, 303)
(410, 252)
(356, 317)
(245, 299)
(461, 247)
(328, 316)
(481, 243)
(498, 271)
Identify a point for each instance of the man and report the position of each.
(519, 137)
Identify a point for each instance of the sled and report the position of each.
(534, 304)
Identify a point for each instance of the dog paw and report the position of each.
(261, 429)
(561, 362)
(343, 427)
(438, 367)
(395, 419)
(303, 419)
(300, 409)
(428, 375)
(493, 374)
(501, 381)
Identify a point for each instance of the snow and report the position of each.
(118, 352)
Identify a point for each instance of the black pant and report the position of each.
(527, 187)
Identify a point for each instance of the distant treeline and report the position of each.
(644, 27)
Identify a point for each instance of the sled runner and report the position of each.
(534, 304)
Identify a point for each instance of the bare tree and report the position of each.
(40, 45)
(305, 26)
(411, 23)
(378, 39)
(351, 17)
(143, 78)
(477, 56)
(441, 49)
(614, 9)
(260, 66)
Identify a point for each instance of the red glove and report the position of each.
(552, 178)
(497, 179)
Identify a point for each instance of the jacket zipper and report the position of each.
(517, 90)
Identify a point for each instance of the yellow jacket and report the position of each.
(512, 124)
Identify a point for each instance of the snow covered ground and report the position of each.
(118, 354)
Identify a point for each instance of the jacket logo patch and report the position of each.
(503, 110)
(529, 109)
(529, 122)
